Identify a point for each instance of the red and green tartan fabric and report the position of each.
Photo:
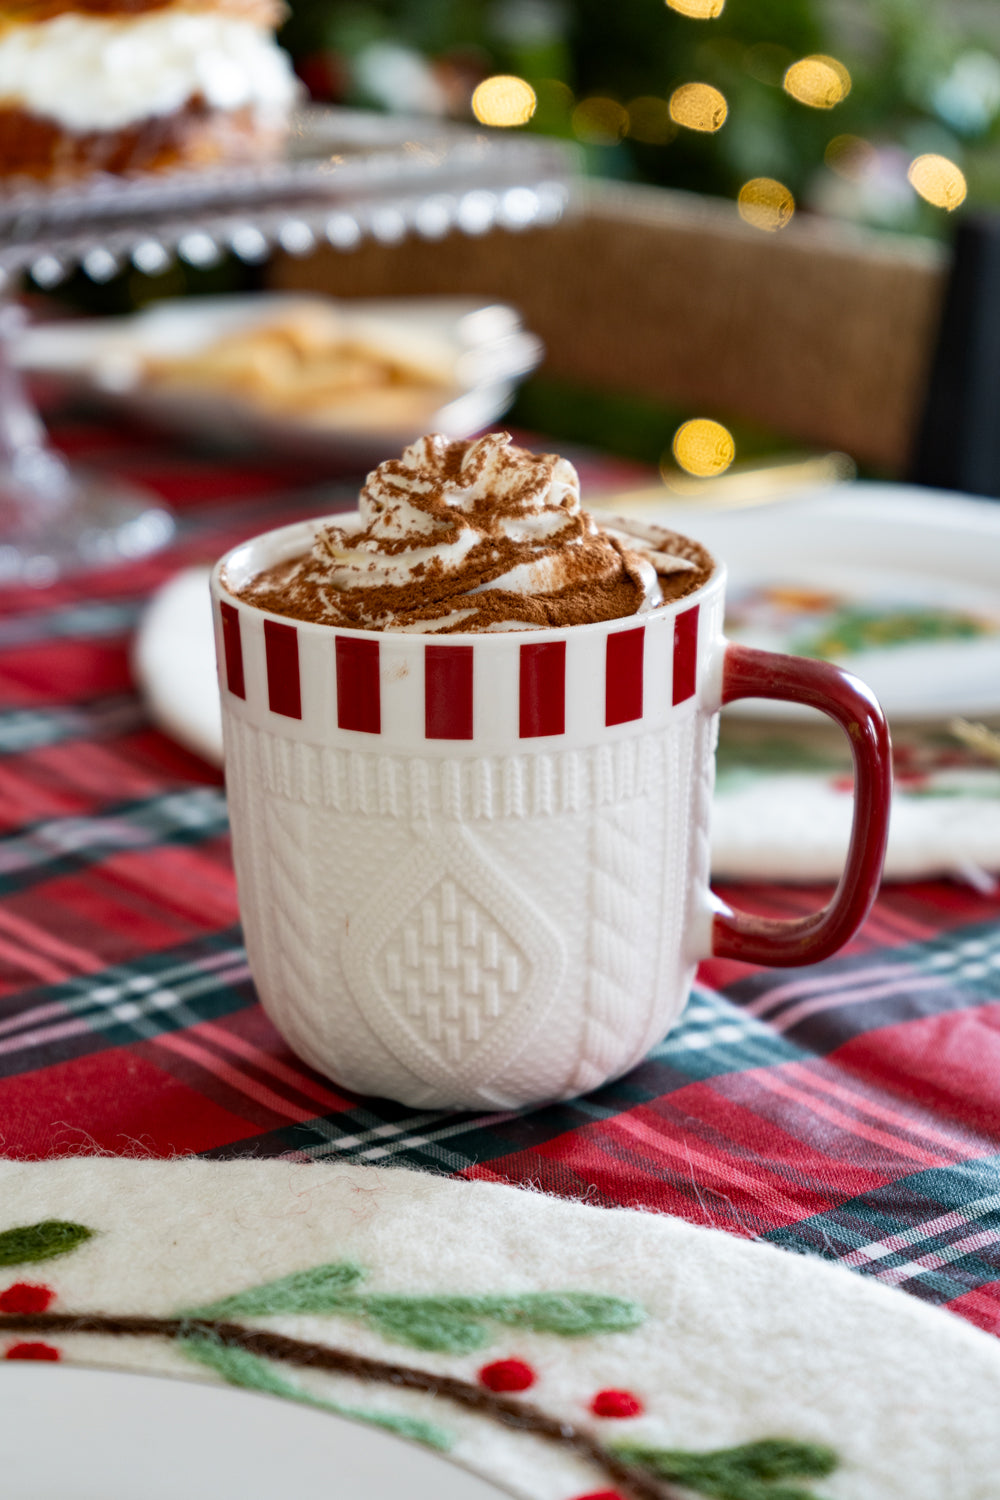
(850, 1110)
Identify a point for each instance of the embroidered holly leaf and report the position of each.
(753, 1471)
(571, 1314)
(424, 1323)
(448, 1324)
(240, 1367)
(321, 1289)
(455, 1325)
(30, 1242)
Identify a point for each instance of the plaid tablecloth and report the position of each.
(850, 1110)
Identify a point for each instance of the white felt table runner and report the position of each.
(709, 1340)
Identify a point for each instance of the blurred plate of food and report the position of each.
(351, 380)
(896, 583)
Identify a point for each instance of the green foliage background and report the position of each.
(908, 96)
(899, 53)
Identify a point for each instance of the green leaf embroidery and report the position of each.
(571, 1314)
(321, 1289)
(423, 1323)
(241, 1368)
(455, 1324)
(41, 1241)
(753, 1471)
(452, 1325)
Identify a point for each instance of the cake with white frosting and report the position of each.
(138, 85)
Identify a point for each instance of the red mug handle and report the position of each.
(749, 673)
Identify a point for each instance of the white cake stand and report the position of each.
(346, 175)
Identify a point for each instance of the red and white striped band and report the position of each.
(275, 667)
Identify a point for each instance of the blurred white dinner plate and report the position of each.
(76, 1434)
(897, 583)
(478, 351)
(173, 659)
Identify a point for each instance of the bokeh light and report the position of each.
(938, 180)
(555, 94)
(699, 10)
(819, 81)
(849, 156)
(649, 120)
(504, 100)
(698, 106)
(600, 122)
(703, 447)
(765, 203)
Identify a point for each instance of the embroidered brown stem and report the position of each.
(508, 1411)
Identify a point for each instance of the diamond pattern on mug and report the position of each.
(452, 969)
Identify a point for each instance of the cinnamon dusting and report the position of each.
(478, 536)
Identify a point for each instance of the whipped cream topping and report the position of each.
(90, 73)
(474, 536)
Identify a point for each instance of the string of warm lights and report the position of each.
(817, 81)
(504, 100)
(698, 106)
(698, 10)
(939, 180)
(600, 122)
(702, 446)
(765, 203)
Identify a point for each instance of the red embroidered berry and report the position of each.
(507, 1375)
(32, 1351)
(24, 1297)
(616, 1404)
(601, 1495)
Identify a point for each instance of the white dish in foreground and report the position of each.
(479, 350)
(78, 1434)
(866, 559)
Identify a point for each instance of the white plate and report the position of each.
(478, 349)
(173, 659)
(75, 1434)
(910, 556)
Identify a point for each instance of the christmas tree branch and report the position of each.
(510, 1412)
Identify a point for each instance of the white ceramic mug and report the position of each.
(473, 870)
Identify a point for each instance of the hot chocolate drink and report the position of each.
(473, 868)
(479, 535)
